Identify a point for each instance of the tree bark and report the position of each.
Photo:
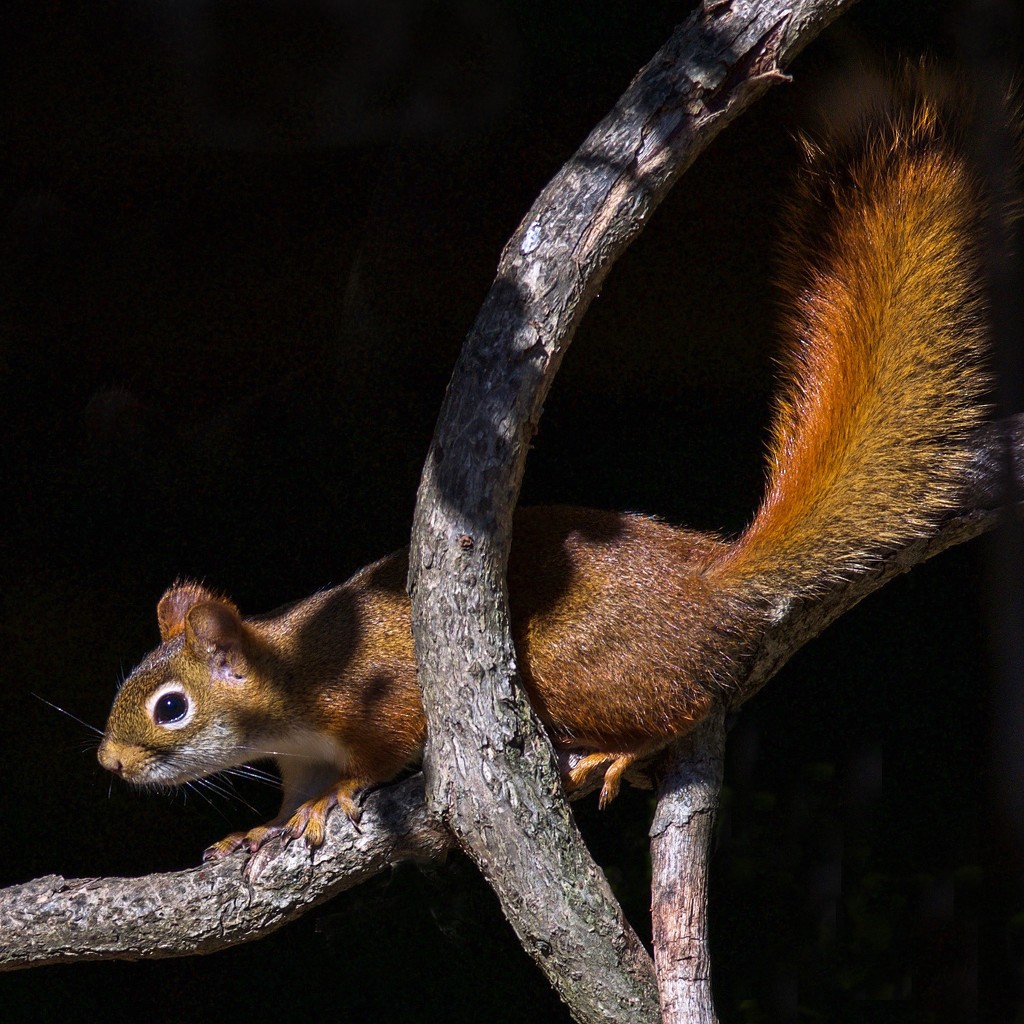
(680, 841)
(490, 771)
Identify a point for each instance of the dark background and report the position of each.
(242, 244)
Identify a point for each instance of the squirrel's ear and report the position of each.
(214, 631)
(174, 606)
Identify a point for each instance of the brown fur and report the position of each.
(627, 628)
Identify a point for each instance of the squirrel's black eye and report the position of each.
(171, 707)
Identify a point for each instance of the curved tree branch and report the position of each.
(490, 770)
(688, 792)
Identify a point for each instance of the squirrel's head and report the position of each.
(181, 714)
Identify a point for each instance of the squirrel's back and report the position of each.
(885, 331)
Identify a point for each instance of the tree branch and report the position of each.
(680, 840)
(688, 792)
(182, 913)
(490, 770)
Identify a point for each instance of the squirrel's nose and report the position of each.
(109, 759)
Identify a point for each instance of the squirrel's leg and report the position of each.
(613, 765)
(251, 840)
(308, 817)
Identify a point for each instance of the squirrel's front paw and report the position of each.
(225, 847)
(251, 841)
(310, 820)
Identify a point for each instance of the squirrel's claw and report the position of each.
(251, 841)
(262, 834)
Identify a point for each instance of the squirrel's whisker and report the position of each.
(64, 711)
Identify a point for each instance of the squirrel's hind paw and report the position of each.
(611, 766)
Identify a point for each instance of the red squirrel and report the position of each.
(626, 628)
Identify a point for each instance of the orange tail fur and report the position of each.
(885, 336)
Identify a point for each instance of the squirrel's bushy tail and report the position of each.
(885, 333)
